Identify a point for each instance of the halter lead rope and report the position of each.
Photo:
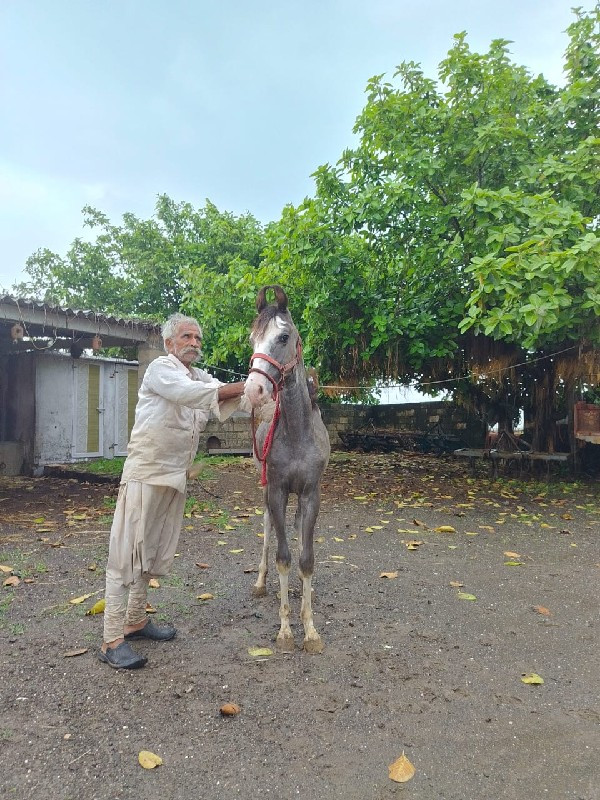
(284, 371)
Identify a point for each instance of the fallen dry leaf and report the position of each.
(456, 584)
(230, 709)
(465, 596)
(97, 608)
(543, 610)
(201, 565)
(533, 679)
(12, 581)
(149, 760)
(401, 770)
(153, 584)
(414, 544)
(73, 653)
(256, 652)
(445, 529)
(389, 575)
(510, 554)
(4, 568)
(206, 596)
(149, 609)
(75, 601)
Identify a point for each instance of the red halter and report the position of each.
(284, 371)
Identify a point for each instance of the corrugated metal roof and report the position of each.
(44, 308)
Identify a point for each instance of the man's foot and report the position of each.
(123, 656)
(158, 633)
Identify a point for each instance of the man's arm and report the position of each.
(229, 391)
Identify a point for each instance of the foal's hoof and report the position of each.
(285, 644)
(259, 591)
(313, 645)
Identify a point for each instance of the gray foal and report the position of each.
(291, 450)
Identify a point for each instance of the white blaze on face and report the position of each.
(258, 388)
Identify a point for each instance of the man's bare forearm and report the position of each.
(230, 390)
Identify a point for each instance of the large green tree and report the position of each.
(138, 268)
(459, 237)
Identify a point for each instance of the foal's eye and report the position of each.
(284, 337)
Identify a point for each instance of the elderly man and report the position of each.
(174, 404)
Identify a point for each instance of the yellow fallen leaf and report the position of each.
(465, 596)
(4, 568)
(97, 608)
(149, 760)
(487, 528)
(153, 583)
(238, 550)
(73, 653)
(414, 544)
(12, 581)
(92, 567)
(389, 575)
(361, 497)
(514, 564)
(368, 530)
(77, 600)
(377, 527)
(257, 652)
(206, 596)
(533, 679)
(456, 584)
(471, 533)
(445, 529)
(337, 539)
(510, 554)
(338, 558)
(149, 609)
(229, 527)
(401, 770)
(259, 512)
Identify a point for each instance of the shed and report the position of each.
(60, 400)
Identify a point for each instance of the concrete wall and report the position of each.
(235, 434)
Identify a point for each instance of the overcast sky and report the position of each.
(111, 102)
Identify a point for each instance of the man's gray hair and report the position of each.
(169, 327)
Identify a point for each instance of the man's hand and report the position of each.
(230, 390)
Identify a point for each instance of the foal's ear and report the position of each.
(280, 297)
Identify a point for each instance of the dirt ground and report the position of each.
(410, 664)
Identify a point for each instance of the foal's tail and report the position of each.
(280, 298)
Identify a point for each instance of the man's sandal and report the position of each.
(122, 657)
(158, 633)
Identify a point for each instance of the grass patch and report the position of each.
(102, 466)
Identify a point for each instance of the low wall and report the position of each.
(235, 433)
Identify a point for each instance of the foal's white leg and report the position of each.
(285, 637)
(312, 640)
(260, 587)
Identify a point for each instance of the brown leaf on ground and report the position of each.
(543, 610)
(401, 770)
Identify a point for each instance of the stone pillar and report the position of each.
(147, 351)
